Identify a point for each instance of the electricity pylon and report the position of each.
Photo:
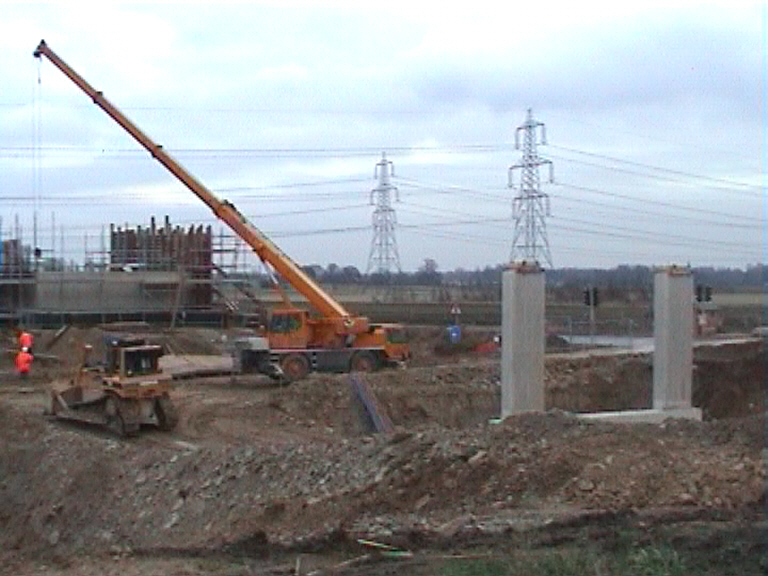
(531, 206)
(384, 258)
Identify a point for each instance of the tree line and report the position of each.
(625, 282)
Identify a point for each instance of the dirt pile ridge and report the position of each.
(252, 465)
(62, 487)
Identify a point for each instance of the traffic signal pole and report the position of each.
(590, 299)
(592, 316)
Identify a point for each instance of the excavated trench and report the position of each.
(298, 465)
(728, 382)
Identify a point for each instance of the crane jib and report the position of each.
(225, 211)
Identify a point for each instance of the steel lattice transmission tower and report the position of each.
(384, 258)
(531, 206)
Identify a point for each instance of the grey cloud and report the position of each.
(665, 62)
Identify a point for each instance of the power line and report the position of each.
(747, 189)
(267, 152)
(496, 199)
(351, 152)
(602, 251)
(619, 232)
(501, 243)
(630, 234)
(357, 111)
(653, 138)
(434, 228)
(603, 205)
(656, 202)
(645, 235)
(657, 168)
(476, 193)
(293, 185)
(354, 111)
(613, 232)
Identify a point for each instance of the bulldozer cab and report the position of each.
(128, 357)
(129, 390)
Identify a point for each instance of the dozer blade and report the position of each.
(96, 407)
(90, 412)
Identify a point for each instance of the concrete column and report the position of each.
(522, 339)
(672, 355)
(673, 338)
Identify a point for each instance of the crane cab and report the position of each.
(296, 329)
(289, 328)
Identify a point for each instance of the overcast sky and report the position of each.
(654, 114)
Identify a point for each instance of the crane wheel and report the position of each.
(363, 361)
(295, 367)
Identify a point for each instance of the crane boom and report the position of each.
(267, 251)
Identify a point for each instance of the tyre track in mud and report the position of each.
(218, 413)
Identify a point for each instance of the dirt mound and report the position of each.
(467, 393)
(729, 380)
(58, 353)
(66, 488)
(599, 383)
(253, 466)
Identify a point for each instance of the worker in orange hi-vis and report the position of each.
(23, 363)
(25, 339)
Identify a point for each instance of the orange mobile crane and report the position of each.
(297, 342)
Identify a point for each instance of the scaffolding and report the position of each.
(164, 273)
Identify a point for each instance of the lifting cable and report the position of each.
(37, 183)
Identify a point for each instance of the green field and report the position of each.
(740, 299)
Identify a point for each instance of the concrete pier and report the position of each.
(672, 354)
(522, 339)
(673, 338)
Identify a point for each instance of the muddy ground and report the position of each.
(260, 479)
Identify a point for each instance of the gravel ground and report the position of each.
(254, 469)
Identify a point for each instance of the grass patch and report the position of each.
(477, 567)
(568, 563)
(661, 561)
(575, 561)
